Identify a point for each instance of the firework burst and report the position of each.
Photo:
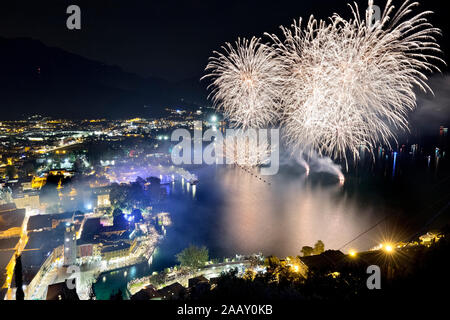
(349, 84)
(245, 149)
(246, 82)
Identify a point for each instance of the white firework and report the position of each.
(349, 84)
(244, 149)
(246, 82)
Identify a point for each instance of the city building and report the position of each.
(12, 222)
(172, 292)
(148, 293)
(119, 250)
(42, 222)
(328, 261)
(7, 260)
(60, 291)
(103, 201)
(28, 200)
(70, 245)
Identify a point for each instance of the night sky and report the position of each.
(165, 39)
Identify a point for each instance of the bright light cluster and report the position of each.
(246, 80)
(335, 86)
(244, 150)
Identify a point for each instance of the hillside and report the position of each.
(35, 78)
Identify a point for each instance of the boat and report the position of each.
(193, 181)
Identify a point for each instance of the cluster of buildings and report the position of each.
(34, 149)
(392, 259)
(24, 138)
(55, 185)
(12, 223)
(196, 287)
(55, 242)
(55, 176)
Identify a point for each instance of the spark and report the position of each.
(244, 149)
(246, 81)
(349, 84)
(341, 179)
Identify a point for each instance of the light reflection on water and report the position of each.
(232, 211)
(289, 213)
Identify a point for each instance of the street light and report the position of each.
(388, 248)
(352, 253)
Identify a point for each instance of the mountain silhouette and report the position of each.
(38, 79)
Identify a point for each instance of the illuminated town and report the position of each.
(303, 165)
(73, 221)
(64, 203)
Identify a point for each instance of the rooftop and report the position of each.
(7, 207)
(60, 291)
(147, 293)
(5, 257)
(11, 219)
(9, 243)
(116, 247)
(173, 290)
(326, 261)
(43, 221)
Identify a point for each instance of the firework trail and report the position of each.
(246, 82)
(350, 84)
(302, 162)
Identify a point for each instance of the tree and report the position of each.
(120, 221)
(158, 279)
(118, 196)
(129, 197)
(116, 212)
(19, 279)
(255, 261)
(272, 262)
(137, 213)
(155, 188)
(29, 168)
(193, 257)
(307, 251)
(319, 247)
(91, 292)
(11, 171)
(49, 193)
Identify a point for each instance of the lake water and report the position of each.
(232, 211)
